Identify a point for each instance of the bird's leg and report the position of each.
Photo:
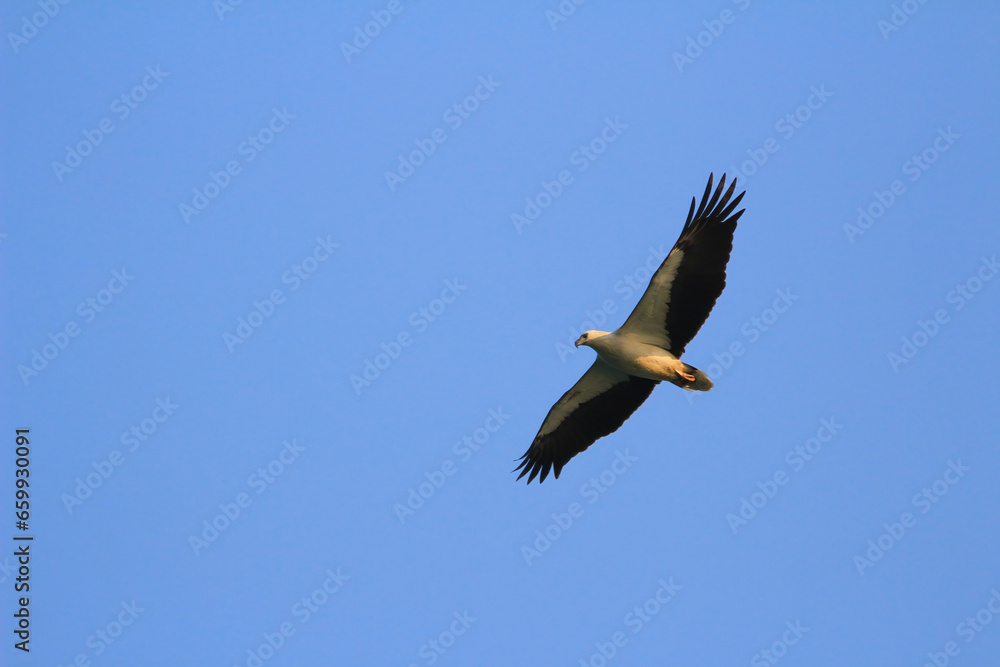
(680, 370)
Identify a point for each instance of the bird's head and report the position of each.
(589, 337)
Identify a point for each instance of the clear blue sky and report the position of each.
(280, 313)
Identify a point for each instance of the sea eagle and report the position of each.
(647, 348)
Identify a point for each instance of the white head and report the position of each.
(589, 337)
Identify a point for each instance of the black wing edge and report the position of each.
(706, 240)
(714, 210)
(600, 416)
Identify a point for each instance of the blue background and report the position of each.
(361, 450)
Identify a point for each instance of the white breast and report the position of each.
(626, 353)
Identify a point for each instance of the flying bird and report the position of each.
(647, 348)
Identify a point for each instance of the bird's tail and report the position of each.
(701, 381)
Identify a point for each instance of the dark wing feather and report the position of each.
(683, 291)
(596, 406)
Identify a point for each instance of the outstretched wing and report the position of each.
(597, 405)
(684, 289)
